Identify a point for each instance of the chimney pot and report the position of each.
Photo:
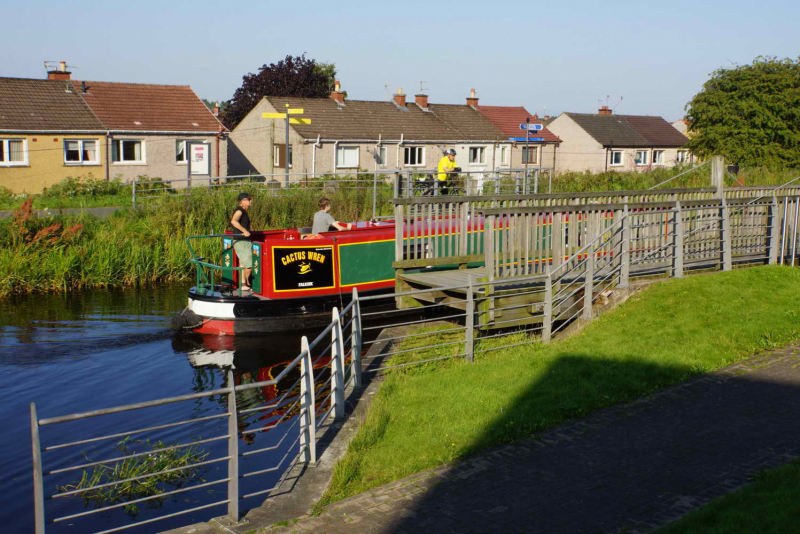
(605, 111)
(60, 73)
(400, 98)
(421, 100)
(337, 93)
(472, 100)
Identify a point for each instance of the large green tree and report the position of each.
(750, 114)
(293, 76)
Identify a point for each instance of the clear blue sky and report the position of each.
(562, 56)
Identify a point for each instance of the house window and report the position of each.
(347, 157)
(180, 151)
(382, 156)
(13, 152)
(683, 156)
(127, 151)
(414, 156)
(80, 152)
(477, 155)
(658, 157)
(503, 155)
(279, 154)
(616, 158)
(529, 154)
(642, 157)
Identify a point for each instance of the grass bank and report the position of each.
(144, 246)
(771, 504)
(422, 418)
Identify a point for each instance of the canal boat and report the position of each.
(296, 282)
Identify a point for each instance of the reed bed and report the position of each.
(146, 246)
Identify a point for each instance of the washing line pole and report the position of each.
(286, 165)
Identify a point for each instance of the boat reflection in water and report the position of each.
(254, 359)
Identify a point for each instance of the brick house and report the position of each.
(604, 141)
(54, 128)
(350, 135)
(541, 145)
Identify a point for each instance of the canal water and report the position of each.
(75, 353)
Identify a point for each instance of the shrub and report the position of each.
(84, 186)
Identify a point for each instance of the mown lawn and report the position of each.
(771, 504)
(676, 329)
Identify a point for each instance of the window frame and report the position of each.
(526, 151)
(420, 150)
(481, 150)
(82, 162)
(621, 154)
(382, 156)
(178, 143)
(120, 151)
(504, 152)
(339, 165)
(279, 153)
(645, 160)
(682, 156)
(4, 150)
(658, 157)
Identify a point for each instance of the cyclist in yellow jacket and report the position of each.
(447, 166)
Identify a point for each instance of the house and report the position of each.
(54, 128)
(345, 136)
(604, 141)
(538, 149)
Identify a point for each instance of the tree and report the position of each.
(293, 76)
(750, 114)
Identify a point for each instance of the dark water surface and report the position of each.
(75, 353)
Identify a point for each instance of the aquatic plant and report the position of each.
(160, 459)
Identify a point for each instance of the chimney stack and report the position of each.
(216, 109)
(400, 98)
(337, 93)
(61, 73)
(472, 100)
(604, 111)
(421, 100)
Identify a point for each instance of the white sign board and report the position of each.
(200, 159)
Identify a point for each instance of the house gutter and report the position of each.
(104, 132)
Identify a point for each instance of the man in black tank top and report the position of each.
(240, 222)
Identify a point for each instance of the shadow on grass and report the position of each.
(621, 468)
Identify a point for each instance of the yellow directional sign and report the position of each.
(299, 121)
(295, 111)
(273, 115)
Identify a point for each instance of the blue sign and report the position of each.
(534, 127)
(526, 139)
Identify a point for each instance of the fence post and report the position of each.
(726, 237)
(337, 367)
(588, 287)
(133, 193)
(677, 249)
(38, 485)
(718, 175)
(233, 452)
(772, 232)
(547, 326)
(625, 258)
(355, 360)
(308, 416)
(469, 333)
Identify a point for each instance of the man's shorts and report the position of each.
(244, 251)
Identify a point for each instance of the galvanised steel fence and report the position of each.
(298, 404)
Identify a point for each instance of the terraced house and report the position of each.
(54, 128)
(604, 141)
(350, 135)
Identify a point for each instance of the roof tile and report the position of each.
(508, 119)
(30, 104)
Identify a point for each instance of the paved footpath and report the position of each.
(628, 468)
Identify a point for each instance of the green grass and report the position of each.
(674, 330)
(771, 504)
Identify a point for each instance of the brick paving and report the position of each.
(629, 468)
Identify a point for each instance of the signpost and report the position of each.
(528, 127)
(289, 120)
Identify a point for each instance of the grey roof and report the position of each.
(28, 104)
(362, 119)
(629, 130)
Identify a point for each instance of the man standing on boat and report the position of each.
(241, 221)
(447, 166)
(323, 220)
